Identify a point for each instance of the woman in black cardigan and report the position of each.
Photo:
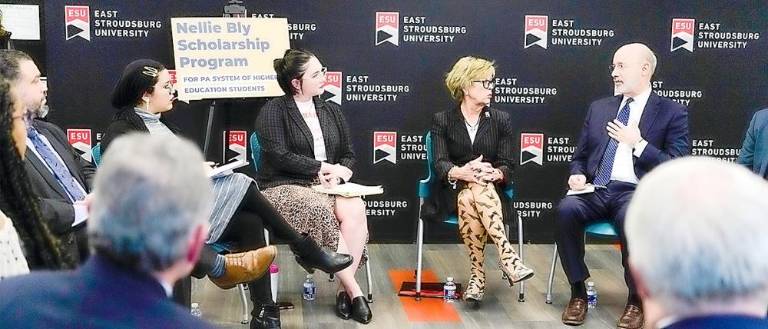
(473, 161)
(240, 211)
(305, 141)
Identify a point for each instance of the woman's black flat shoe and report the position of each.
(343, 305)
(360, 310)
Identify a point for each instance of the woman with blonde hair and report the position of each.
(474, 160)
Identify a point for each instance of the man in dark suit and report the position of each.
(697, 231)
(149, 219)
(754, 150)
(623, 138)
(60, 178)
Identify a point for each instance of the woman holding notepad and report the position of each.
(473, 158)
(240, 212)
(305, 142)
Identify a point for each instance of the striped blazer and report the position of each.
(452, 147)
(287, 147)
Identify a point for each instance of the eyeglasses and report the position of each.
(318, 74)
(169, 86)
(615, 67)
(487, 84)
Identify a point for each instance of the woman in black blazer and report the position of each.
(473, 161)
(240, 211)
(305, 141)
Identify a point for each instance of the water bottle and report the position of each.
(591, 295)
(309, 288)
(195, 310)
(449, 290)
(273, 271)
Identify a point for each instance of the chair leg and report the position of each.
(419, 253)
(521, 295)
(551, 278)
(244, 300)
(369, 278)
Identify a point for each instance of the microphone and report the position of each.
(487, 114)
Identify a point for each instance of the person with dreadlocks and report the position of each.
(34, 246)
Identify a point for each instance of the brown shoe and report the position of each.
(575, 312)
(632, 318)
(245, 266)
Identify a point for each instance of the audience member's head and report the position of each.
(151, 205)
(291, 69)
(24, 77)
(471, 76)
(41, 247)
(697, 230)
(145, 84)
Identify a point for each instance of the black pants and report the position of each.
(246, 232)
(575, 212)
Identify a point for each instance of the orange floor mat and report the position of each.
(427, 309)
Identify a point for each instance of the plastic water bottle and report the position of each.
(195, 310)
(591, 295)
(309, 288)
(273, 271)
(449, 290)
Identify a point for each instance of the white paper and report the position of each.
(350, 189)
(226, 169)
(589, 188)
(22, 20)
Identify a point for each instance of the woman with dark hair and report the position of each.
(473, 161)
(240, 211)
(305, 141)
(40, 246)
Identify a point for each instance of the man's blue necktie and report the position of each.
(59, 169)
(606, 164)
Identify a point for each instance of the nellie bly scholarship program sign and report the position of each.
(222, 57)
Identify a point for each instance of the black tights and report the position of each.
(246, 229)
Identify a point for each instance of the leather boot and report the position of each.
(310, 256)
(268, 318)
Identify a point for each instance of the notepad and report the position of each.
(227, 169)
(589, 188)
(350, 190)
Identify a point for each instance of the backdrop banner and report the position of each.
(386, 65)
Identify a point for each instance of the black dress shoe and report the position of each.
(268, 318)
(360, 310)
(343, 305)
(311, 256)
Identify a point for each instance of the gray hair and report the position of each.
(697, 233)
(149, 194)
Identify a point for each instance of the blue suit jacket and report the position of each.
(664, 125)
(720, 322)
(97, 295)
(754, 151)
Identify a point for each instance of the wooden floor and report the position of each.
(500, 308)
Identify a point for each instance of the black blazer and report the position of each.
(452, 147)
(287, 146)
(54, 204)
(126, 121)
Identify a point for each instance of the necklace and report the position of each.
(472, 127)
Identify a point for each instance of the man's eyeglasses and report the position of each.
(487, 84)
(613, 67)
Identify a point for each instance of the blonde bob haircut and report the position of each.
(466, 70)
